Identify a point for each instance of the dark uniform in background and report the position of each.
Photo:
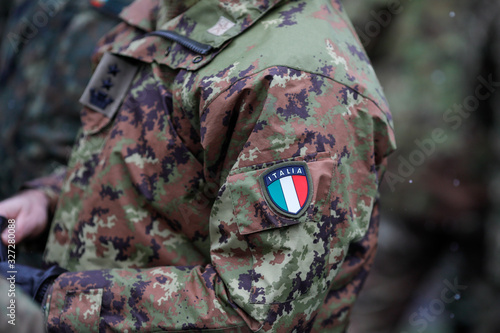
(44, 66)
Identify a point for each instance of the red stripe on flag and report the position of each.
(301, 187)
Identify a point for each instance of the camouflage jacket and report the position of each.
(226, 174)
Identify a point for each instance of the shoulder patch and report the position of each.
(287, 188)
(108, 84)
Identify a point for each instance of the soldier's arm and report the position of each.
(274, 263)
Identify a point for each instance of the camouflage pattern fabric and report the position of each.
(44, 67)
(162, 219)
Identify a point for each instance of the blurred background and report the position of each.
(45, 51)
(438, 263)
(45, 65)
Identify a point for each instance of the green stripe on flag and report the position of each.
(276, 193)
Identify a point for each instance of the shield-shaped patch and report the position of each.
(287, 188)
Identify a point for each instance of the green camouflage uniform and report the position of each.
(166, 220)
(44, 67)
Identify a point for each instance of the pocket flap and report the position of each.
(282, 194)
(83, 307)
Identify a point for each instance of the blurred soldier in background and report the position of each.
(45, 50)
(44, 66)
(437, 269)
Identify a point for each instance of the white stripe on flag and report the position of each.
(292, 201)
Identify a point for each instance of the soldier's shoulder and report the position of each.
(315, 37)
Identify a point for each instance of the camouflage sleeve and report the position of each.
(270, 269)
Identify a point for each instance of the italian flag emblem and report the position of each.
(287, 188)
